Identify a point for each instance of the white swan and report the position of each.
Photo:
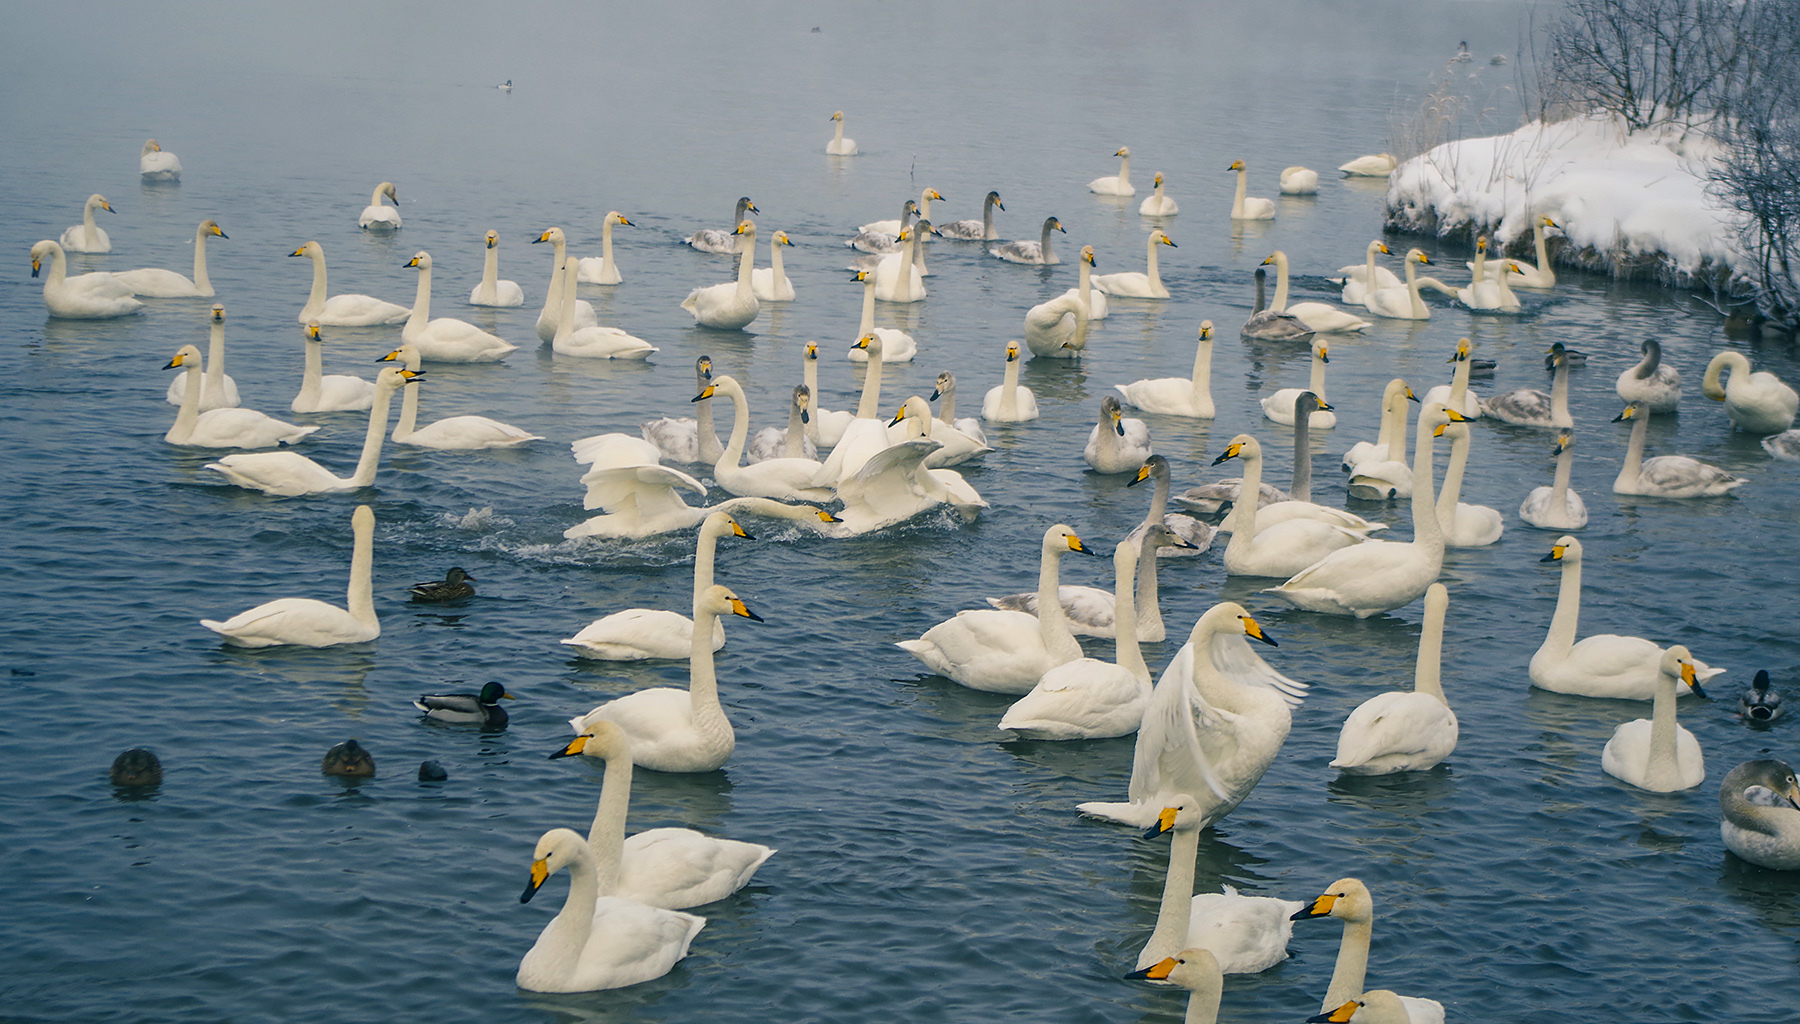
(652, 634)
(1217, 718)
(1529, 407)
(1539, 276)
(96, 296)
(771, 283)
(1348, 900)
(492, 291)
(593, 342)
(976, 230)
(733, 305)
(219, 391)
(1491, 293)
(225, 427)
(1657, 754)
(1666, 476)
(304, 622)
(912, 210)
(1298, 503)
(1157, 204)
(825, 427)
(1322, 317)
(893, 484)
(1361, 278)
(320, 392)
(1760, 814)
(1057, 329)
(1037, 253)
(1006, 651)
(785, 479)
(789, 442)
(1241, 934)
(688, 440)
(597, 942)
(639, 499)
(671, 868)
(723, 240)
(1085, 290)
(1464, 525)
(1178, 396)
(349, 310)
(289, 474)
(1090, 611)
(1010, 401)
(962, 439)
(1456, 395)
(1197, 971)
(898, 277)
(674, 730)
(1251, 208)
(867, 433)
(550, 317)
(1389, 446)
(446, 339)
(1299, 181)
(452, 433)
(1404, 730)
(1602, 665)
(1279, 406)
(604, 269)
(155, 164)
(156, 283)
(881, 237)
(1380, 576)
(1651, 384)
(1557, 506)
(377, 217)
(88, 236)
(1282, 548)
(1401, 303)
(1378, 166)
(1147, 285)
(1119, 184)
(896, 346)
(840, 146)
(1116, 444)
(1758, 403)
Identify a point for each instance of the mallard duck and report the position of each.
(1759, 703)
(349, 760)
(453, 587)
(481, 709)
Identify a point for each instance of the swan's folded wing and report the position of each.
(1396, 722)
(652, 490)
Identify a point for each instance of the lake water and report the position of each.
(927, 870)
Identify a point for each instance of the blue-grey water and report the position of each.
(927, 869)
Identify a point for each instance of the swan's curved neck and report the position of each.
(1568, 609)
(1009, 389)
(1661, 771)
(1155, 276)
(375, 198)
(1369, 266)
(740, 431)
(490, 274)
(868, 307)
(1281, 270)
(837, 137)
(1427, 670)
(987, 218)
(1451, 492)
(215, 359)
(1559, 397)
(1736, 362)
(1634, 453)
(606, 836)
(1426, 531)
(1125, 610)
(705, 553)
(202, 282)
(746, 262)
(1352, 964)
(421, 311)
(371, 452)
(1243, 510)
(1559, 485)
(360, 599)
(1301, 487)
(315, 300)
(1170, 935)
(1202, 375)
(869, 407)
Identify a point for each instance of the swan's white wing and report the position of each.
(651, 489)
(1396, 722)
(1237, 661)
(887, 481)
(1169, 758)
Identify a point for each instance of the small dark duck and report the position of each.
(138, 767)
(1759, 703)
(481, 709)
(453, 587)
(349, 760)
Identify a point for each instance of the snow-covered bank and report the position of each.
(1633, 205)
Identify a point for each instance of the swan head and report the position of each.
(394, 377)
(722, 524)
(1346, 899)
(150, 147)
(1380, 1006)
(99, 201)
(1236, 165)
(1181, 813)
(917, 410)
(1112, 415)
(747, 228)
(946, 386)
(1481, 244)
(1438, 418)
(1630, 412)
(870, 343)
(925, 228)
(185, 356)
(1547, 222)
(421, 260)
(1564, 441)
(1162, 237)
(1677, 662)
(1566, 550)
(1156, 179)
(1012, 351)
(386, 188)
(559, 848)
(1087, 255)
(1154, 466)
(934, 194)
(211, 227)
(493, 239)
(1322, 352)
(1158, 535)
(1463, 348)
(1061, 538)
(781, 238)
(803, 402)
(745, 205)
(721, 601)
(1196, 970)
(218, 313)
(312, 250)
(1243, 447)
(406, 355)
(40, 251)
(1308, 403)
(836, 115)
(703, 368)
(1418, 256)
(811, 352)
(615, 217)
(994, 197)
(1276, 258)
(602, 739)
(1052, 222)
(1123, 151)
(312, 330)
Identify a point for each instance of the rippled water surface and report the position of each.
(927, 870)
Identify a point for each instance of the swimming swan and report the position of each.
(1362, 278)
(1157, 204)
(1464, 525)
(156, 164)
(1197, 971)
(673, 730)
(1119, 184)
(1006, 651)
(1539, 275)
(1279, 406)
(1251, 208)
(910, 211)
(452, 433)
(1147, 285)
(976, 230)
(1758, 403)
(220, 391)
(350, 310)
(96, 296)
(1057, 329)
(1348, 900)
(771, 283)
(896, 346)
(1010, 402)
(492, 291)
(1557, 507)
(733, 305)
(784, 479)
(1242, 934)
(1657, 754)
(156, 283)
(1404, 730)
(289, 474)
(671, 868)
(1085, 290)
(722, 240)
(840, 146)
(1266, 324)
(377, 217)
(1116, 444)
(1650, 383)
(1281, 548)
(550, 317)
(1299, 181)
(898, 277)
(605, 269)
(597, 942)
(962, 439)
(1389, 447)
(447, 339)
(652, 634)
(87, 236)
(1378, 166)
(1760, 814)
(335, 392)
(594, 341)
(1529, 407)
(1401, 303)
(1666, 476)
(1037, 253)
(223, 427)
(1602, 665)
(789, 442)
(1456, 395)
(1317, 316)
(688, 440)
(304, 622)
(1178, 396)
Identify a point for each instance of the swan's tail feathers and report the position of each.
(1136, 815)
(927, 652)
(215, 625)
(690, 305)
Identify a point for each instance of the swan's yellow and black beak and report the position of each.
(217, 230)
(1324, 354)
(36, 264)
(104, 205)
(936, 393)
(1158, 971)
(1118, 418)
(1383, 249)
(1555, 554)
(1338, 1016)
(1628, 413)
(1693, 681)
(739, 531)
(1325, 406)
(827, 517)
(1236, 165)
(1163, 825)
(1143, 474)
(705, 393)
(998, 205)
(298, 252)
(1077, 546)
(1170, 242)
(390, 357)
(739, 608)
(576, 746)
(411, 263)
(1320, 907)
(1057, 224)
(218, 313)
(1410, 396)
(492, 240)
(863, 342)
(175, 363)
(312, 330)
(1255, 632)
(1551, 224)
(540, 872)
(412, 376)
(812, 351)
(751, 207)
(544, 237)
(1456, 417)
(625, 222)
(1231, 452)
(898, 416)
(1424, 258)
(1012, 353)
(1270, 259)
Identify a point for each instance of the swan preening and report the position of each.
(1758, 403)
(1378, 166)
(378, 217)
(219, 390)
(88, 236)
(157, 283)
(288, 473)
(1759, 803)
(305, 622)
(1248, 208)
(157, 164)
(447, 339)
(492, 291)
(733, 305)
(1057, 329)
(1298, 181)
(1119, 184)
(343, 310)
(840, 146)
(453, 433)
(96, 296)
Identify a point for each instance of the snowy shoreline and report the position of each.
(1629, 205)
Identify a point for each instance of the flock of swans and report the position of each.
(1207, 729)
